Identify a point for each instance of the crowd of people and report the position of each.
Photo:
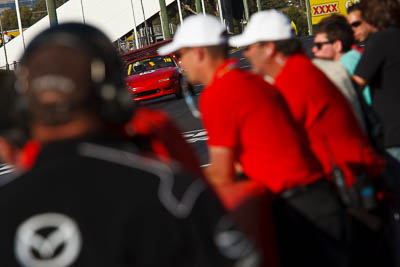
(304, 153)
(5, 37)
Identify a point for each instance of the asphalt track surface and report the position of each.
(191, 127)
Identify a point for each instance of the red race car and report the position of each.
(153, 76)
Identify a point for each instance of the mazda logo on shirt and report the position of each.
(48, 240)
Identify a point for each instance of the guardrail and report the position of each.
(143, 52)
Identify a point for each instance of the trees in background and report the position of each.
(9, 18)
(299, 17)
(29, 16)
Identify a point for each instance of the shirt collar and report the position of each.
(225, 67)
(62, 149)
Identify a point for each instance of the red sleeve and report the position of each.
(165, 138)
(29, 154)
(218, 116)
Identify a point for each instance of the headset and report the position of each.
(13, 123)
(107, 89)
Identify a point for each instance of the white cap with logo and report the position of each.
(269, 25)
(196, 31)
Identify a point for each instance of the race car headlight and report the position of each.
(163, 80)
(132, 89)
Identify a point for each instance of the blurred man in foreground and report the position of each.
(90, 199)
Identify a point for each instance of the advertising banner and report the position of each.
(323, 8)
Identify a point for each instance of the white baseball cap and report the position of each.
(269, 25)
(196, 31)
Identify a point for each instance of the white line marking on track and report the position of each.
(199, 130)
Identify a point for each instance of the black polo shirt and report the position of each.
(95, 202)
(380, 67)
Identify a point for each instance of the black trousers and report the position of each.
(311, 227)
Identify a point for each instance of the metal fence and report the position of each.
(146, 36)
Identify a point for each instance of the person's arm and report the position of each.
(371, 61)
(222, 168)
(360, 81)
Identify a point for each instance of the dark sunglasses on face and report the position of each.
(180, 52)
(252, 45)
(178, 55)
(355, 24)
(319, 45)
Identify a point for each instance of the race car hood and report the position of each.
(153, 75)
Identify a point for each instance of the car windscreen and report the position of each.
(149, 64)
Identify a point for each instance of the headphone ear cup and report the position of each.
(14, 119)
(116, 105)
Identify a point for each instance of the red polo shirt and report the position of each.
(241, 111)
(323, 112)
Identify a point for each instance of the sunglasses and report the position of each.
(319, 45)
(246, 48)
(178, 54)
(355, 24)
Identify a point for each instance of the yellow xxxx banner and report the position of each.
(323, 8)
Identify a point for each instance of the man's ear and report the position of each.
(200, 53)
(269, 49)
(338, 46)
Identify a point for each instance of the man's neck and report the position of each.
(273, 69)
(210, 69)
(79, 126)
(337, 56)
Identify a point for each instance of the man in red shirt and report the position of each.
(248, 122)
(317, 106)
(245, 117)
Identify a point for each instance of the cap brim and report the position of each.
(240, 40)
(169, 48)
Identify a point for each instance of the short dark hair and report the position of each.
(289, 46)
(353, 7)
(218, 50)
(381, 13)
(337, 28)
